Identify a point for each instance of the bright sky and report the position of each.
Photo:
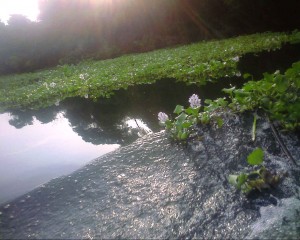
(28, 8)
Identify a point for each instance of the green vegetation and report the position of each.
(277, 94)
(195, 63)
(182, 126)
(258, 179)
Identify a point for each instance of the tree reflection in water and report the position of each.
(107, 121)
(123, 117)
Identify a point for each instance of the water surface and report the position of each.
(38, 145)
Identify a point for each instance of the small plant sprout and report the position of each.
(254, 127)
(257, 179)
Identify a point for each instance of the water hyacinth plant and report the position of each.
(182, 126)
(258, 179)
(277, 94)
(197, 63)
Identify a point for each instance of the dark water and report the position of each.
(153, 189)
(37, 146)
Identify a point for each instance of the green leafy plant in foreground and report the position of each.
(181, 127)
(277, 94)
(258, 179)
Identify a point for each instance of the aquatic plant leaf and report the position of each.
(184, 135)
(237, 180)
(186, 124)
(220, 122)
(295, 38)
(256, 157)
(192, 111)
(178, 109)
(246, 188)
(205, 117)
(247, 75)
(259, 184)
(181, 118)
(241, 179)
(232, 179)
(228, 90)
(168, 124)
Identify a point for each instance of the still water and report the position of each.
(37, 146)
(39, 152)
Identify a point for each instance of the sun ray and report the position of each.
(198, 21)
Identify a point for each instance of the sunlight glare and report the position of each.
(28, 8)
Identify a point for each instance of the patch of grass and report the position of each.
(195, 63)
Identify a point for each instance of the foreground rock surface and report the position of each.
(155, 189)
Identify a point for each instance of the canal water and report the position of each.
(39, 145)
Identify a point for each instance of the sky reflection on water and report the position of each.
(37, 153)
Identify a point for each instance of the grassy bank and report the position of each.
(195, 63)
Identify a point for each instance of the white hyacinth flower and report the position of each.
(236, 59)
(162, 117)
(83, 76)
(194, 101)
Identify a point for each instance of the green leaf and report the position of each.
(168, 124)
(220, 122)
(204, 118)
(246, 188)
(295, 38)
(186, 124)
(247, 75)
(228, 90)
(232, 179)
(241, 179)
(181, 118)
(184, 135)
(192, 111)
(256, 157)
(237, 180)
(178, 109)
